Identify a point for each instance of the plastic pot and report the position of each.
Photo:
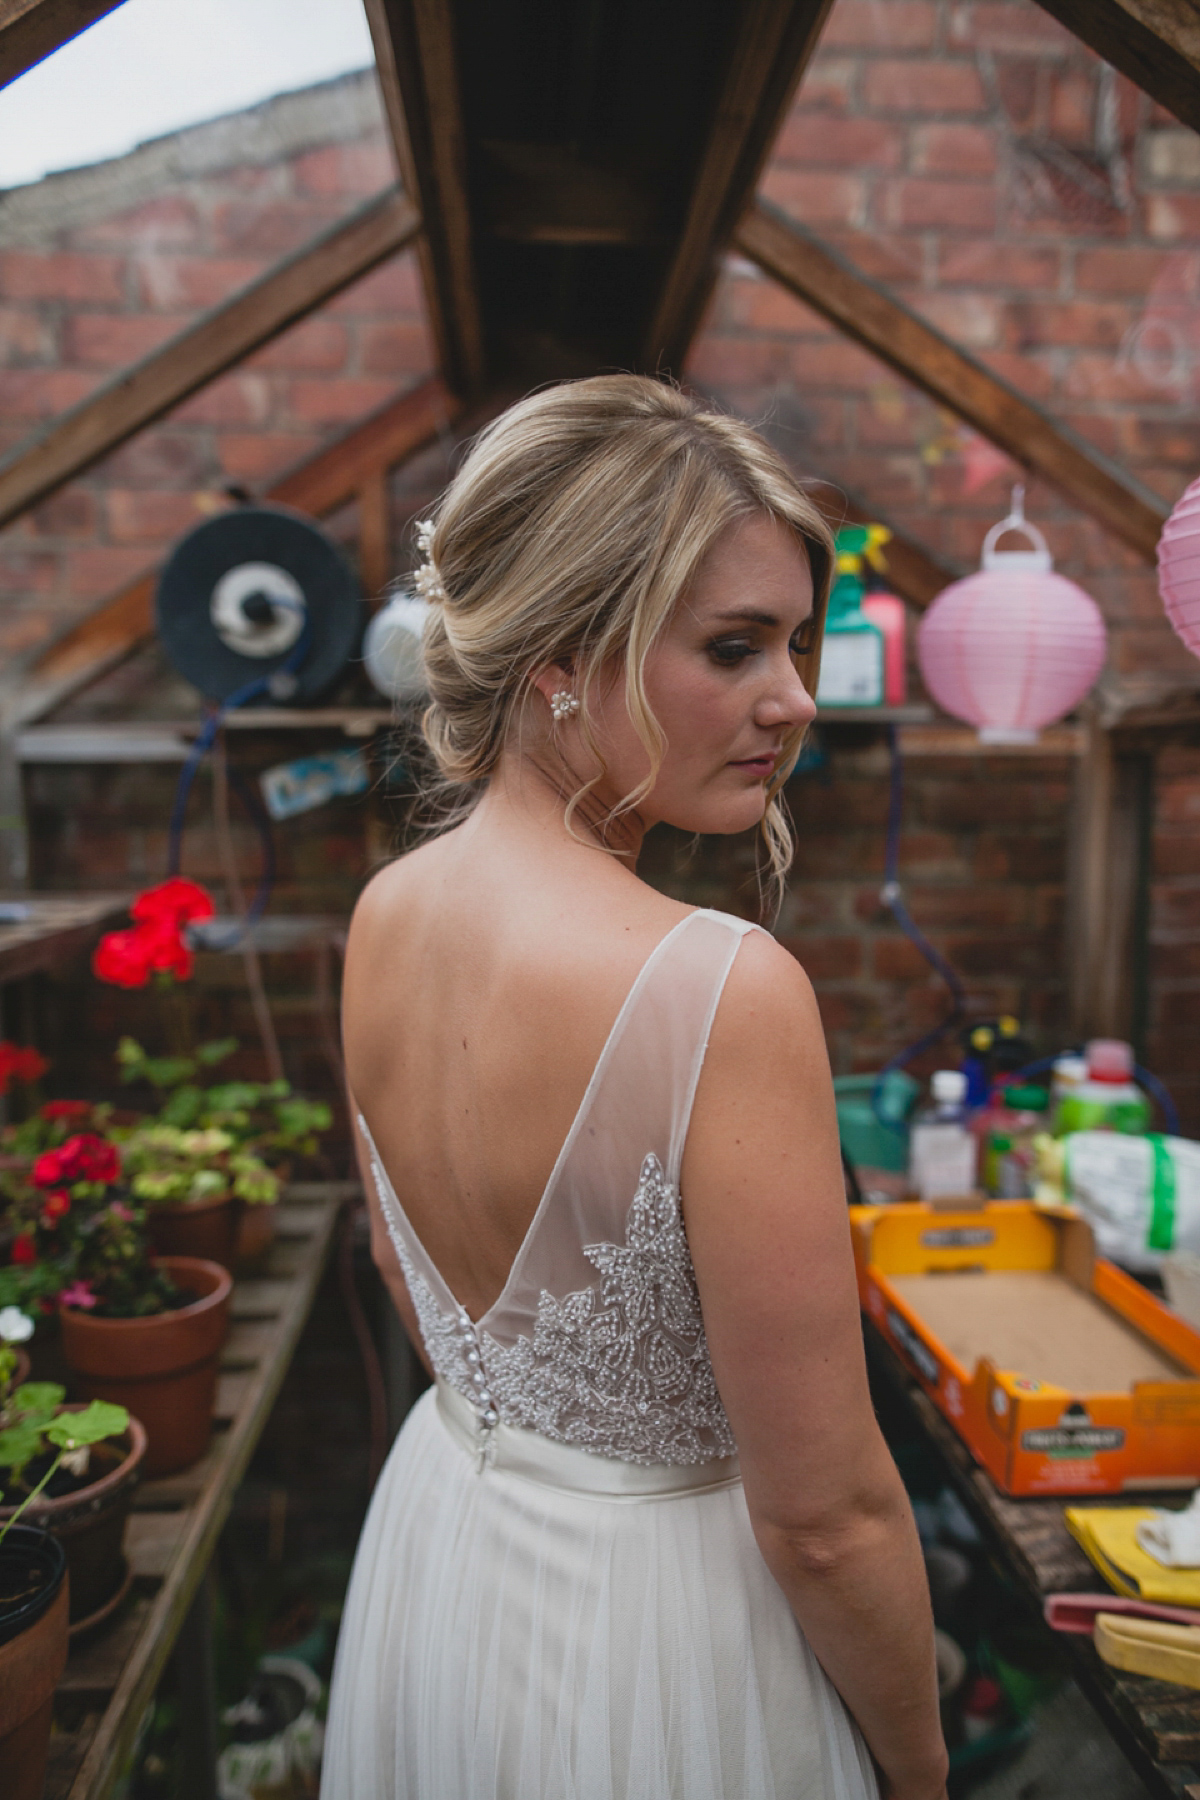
(204, 1229)
(90, 1523)
(163, 1368)
(33, 1653)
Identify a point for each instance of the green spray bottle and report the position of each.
(852, 660)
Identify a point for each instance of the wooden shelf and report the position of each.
(107, 1685)
(169, 741)
(54, 928)
(1155, 1723)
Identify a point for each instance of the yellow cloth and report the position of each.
(1109, 1535)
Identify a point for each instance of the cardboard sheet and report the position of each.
(1035, 1323)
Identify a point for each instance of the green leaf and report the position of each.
(39, 1396)
(19, 1445)
(183, 1106)
(168, 1071)
(100, 1419)
(216, 1052)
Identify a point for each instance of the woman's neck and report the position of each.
(530, 796)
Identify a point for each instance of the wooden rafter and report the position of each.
(771, 52)
(318, 485)
(1156, 43)
(901, 338)
(418, 75)
(287, 293)
(31, 30)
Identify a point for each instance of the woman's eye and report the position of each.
(802, 643)
(730, 651)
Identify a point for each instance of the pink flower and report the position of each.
(78, 1294)
(119, 1210)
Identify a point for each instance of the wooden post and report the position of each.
(374, 534)
(1107, 888)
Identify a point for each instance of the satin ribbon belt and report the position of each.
(515, 1451)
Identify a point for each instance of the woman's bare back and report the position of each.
(481, 984)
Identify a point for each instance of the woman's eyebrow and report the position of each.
(747, 616)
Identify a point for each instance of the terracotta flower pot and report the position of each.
(164, 1368)
(33, 1653)
(90, 1523)
(205, 1229)
(253, 1237)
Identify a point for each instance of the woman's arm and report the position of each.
(766, 1220)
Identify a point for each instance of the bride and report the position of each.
(642, 1540)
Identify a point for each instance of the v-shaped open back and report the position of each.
(616, 1180)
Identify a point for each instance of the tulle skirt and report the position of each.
(544, 1624)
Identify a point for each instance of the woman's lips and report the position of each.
(759, 765)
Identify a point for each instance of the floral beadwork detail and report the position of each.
(620, 1368)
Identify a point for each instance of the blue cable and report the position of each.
(892, 896)
(206, 738)
(1146, 1078)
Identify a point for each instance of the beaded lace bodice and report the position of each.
(597, 1339)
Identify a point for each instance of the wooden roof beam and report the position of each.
(773, 48)
(418, 75)
(31, 30)
(1156, 43)
(901, 338)
(317, 485)
(288, 292)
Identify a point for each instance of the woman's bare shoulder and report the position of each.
(768, 1016)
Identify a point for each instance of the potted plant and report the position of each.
(140, 1331)
(189, 1183)
(34, 1601)
(266, 1120)
(82, 1494)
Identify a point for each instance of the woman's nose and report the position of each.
(786, 701)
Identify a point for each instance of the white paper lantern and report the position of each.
(393, 648)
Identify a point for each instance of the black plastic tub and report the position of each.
(32, 1567)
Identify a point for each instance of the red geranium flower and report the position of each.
(20, 1063)
(165, 949)
(65, 1109)
(48, 1169)
(57, 1206)
(177, 901)
(85, 1157)
(123, 958)
(24, 1250)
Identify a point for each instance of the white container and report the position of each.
(942, 1151)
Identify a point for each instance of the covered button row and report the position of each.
(484, 1404)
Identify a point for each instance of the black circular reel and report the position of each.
(256, 593)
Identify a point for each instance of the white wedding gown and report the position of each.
(557, 1595)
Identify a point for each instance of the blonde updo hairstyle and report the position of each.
(576, 523)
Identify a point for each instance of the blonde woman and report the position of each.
(642, 1539)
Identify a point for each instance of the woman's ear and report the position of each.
(553, 679)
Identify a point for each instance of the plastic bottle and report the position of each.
(1109, 1099)
(1007, 1168)
(853, 656)
(888, 613)
(942, 1150)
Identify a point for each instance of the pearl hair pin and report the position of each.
(563, 705)
(427, 578)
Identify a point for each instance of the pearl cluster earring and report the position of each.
(563, 705)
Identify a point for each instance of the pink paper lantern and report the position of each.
(1179, 567)
(1014, 647)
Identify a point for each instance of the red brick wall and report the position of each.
(76, 310)
(1044, 214)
